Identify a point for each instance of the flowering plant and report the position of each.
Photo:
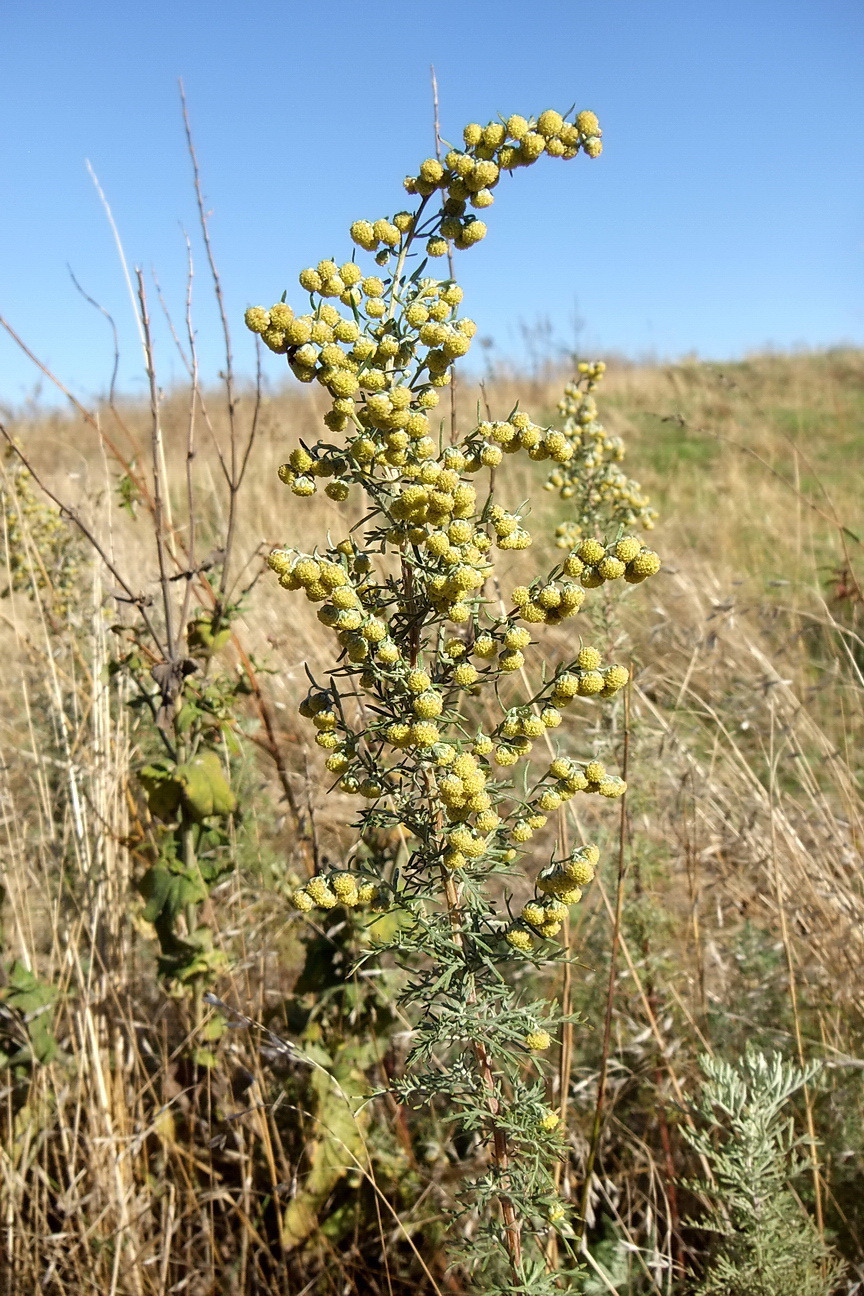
(427, 715)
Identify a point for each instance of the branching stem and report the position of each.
(512, 1223)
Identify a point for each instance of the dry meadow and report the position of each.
(145, 1151)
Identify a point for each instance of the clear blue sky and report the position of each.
(725, 215)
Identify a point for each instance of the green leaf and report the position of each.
(42, 1041)
(154, 887)
(205, 790)
(203, 639)
(33, 999)
(25, 992)
(336, 1144)
(186, 717)
(160, 782)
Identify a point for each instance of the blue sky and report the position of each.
(725, 215)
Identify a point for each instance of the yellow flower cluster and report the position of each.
(429, 707)
(417, 646)
(560, 886)
(381, 346)
(594, 563)
(537, 1041)
(547, 602)
(338, 887)
(552, 600)
(468, 176)
(521, 725)
(603, 495)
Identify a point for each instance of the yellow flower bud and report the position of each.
(590, 551)
(428, 705)
(647, 563)
(549, 123)
(310, 280)
(302, 901)
(465, 675)
(587, 124)
(431, 171)
(424, 733)
(517, 127)
(386, 232)
(537, 1041)
(472, 233)
(320, 892)
(258, 320)
(610, 568)
(615, 678)
(627, 549)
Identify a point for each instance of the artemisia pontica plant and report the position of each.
(425, 714)
(603, 496)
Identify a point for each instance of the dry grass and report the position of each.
(127, 1169)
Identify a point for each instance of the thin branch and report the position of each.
(253, 431)
(205, 233)
(112, 389)
(169, 320)
(228, 372)
(190, 432)
(610, 989)
(120, 252)
(453, 434)
(250, 441)
(110, 319)
(158, 472)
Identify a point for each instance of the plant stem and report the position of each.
(610, 990)
(512, 1224)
